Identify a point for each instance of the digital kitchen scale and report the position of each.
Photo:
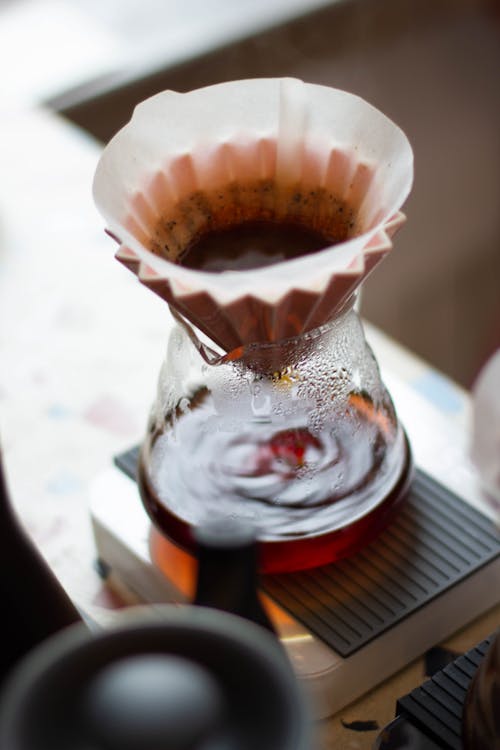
(348, 625)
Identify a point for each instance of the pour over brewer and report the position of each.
(256, 209)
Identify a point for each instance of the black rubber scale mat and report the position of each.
(436, 706)
(435, 541)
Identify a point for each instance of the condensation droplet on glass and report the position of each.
(184, 404)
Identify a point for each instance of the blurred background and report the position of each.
(433, 66)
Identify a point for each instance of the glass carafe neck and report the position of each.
(268, 358)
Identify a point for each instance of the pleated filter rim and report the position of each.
(276, 149)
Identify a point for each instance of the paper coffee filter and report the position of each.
(265, 148)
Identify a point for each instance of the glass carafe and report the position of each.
(299, 438)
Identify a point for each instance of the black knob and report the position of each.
(481, 710)
(189, 679)
(153, 702)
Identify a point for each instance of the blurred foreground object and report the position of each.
(34, 604)
(481, 716)
(227, 570)
(485, 448)
(456, 709)
(196, 679)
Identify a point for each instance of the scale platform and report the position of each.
(348, 625)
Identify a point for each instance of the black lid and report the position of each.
(199, 680)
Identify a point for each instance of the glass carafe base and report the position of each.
(288, 554)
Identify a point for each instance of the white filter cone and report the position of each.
(275, 149)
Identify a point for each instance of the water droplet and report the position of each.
(184, 404)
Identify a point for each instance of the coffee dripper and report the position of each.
(270, 407)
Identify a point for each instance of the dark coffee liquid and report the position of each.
(253, 244)
(293, 485)
(273, 477)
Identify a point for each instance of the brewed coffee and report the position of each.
(288, 483)
(252, 244)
